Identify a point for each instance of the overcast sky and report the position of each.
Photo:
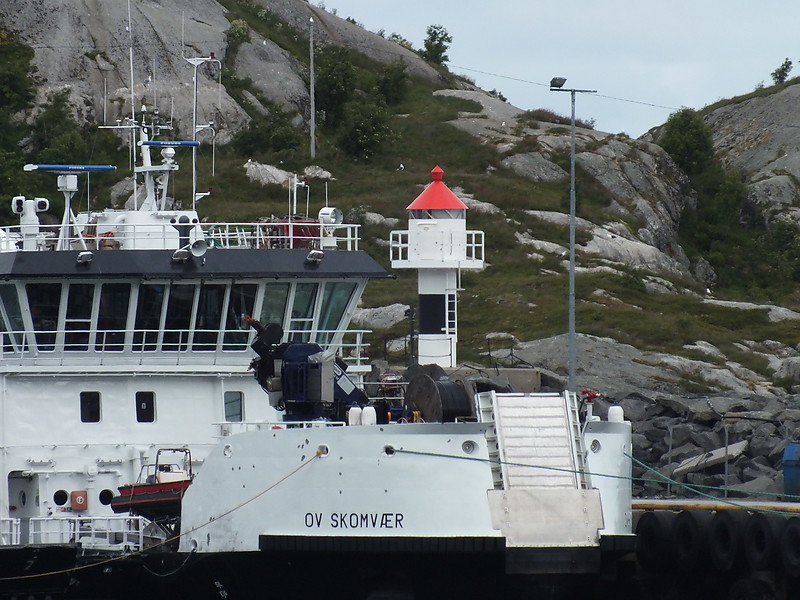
(635, 53)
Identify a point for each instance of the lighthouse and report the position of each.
(439, 246)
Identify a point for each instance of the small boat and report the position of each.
(158, 492)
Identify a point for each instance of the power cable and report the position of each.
(547, 85)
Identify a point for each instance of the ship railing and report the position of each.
(124, 533)
(9, 532)
(233, 427)
(164, 346)
(157, 235)
(282, 234)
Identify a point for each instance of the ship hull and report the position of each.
(418, 574)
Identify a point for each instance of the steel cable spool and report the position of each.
(726, 533)
(761, 540)
(654, 548)
(437, 401)
(690, 538)
(789, 546)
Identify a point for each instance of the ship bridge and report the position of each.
(161, 287)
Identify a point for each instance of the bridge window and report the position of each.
(209, 316)
(148, 316)
(335, 298)
(305, 296)
(145, 407)
(273, 309)
(11, 317)
(44, 300)
(90, 407)
(78, 323)
(234, 406)
(242, 300)
(179, 316)
(112, 317)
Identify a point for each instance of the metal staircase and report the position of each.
(553, 457)
(485, 411)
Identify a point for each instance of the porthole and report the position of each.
(468, 447)
(60, 497)
(595, 446)
(105, 497)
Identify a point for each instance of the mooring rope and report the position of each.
(168, 540)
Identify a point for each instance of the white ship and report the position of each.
(129, 332)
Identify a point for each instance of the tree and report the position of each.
(272, 131)
(780, 74)
(335, 80)
(688, 140)
(364, 126)
(393, 82)
(436, 44)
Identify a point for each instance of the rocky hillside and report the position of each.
(654, 332)
(758, 136)
(84, 46)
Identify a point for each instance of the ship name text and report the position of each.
(353, 520)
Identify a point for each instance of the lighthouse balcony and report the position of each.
(410, 251)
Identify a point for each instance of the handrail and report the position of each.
(100, 533)
(9, 531)
(172, 346)
(283, 233)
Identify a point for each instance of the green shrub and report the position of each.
(238, 31)
(393, 83)
(335, 80)
(271, 132)
(364, 127)
(687, 139)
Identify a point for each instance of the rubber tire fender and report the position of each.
(654, 541)
(761, 539)
(690, 538)
(725, 536)
(789, 546)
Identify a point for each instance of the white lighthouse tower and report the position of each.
(438, 245)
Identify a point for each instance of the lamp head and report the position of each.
(557, 82)
(314, 257)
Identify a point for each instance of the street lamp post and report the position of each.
(313, 107)
(557, 85)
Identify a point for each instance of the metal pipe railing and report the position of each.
(133, 236)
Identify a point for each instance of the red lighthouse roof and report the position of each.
(437, 195)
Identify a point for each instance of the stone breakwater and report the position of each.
(671, 424)
(670, 430)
